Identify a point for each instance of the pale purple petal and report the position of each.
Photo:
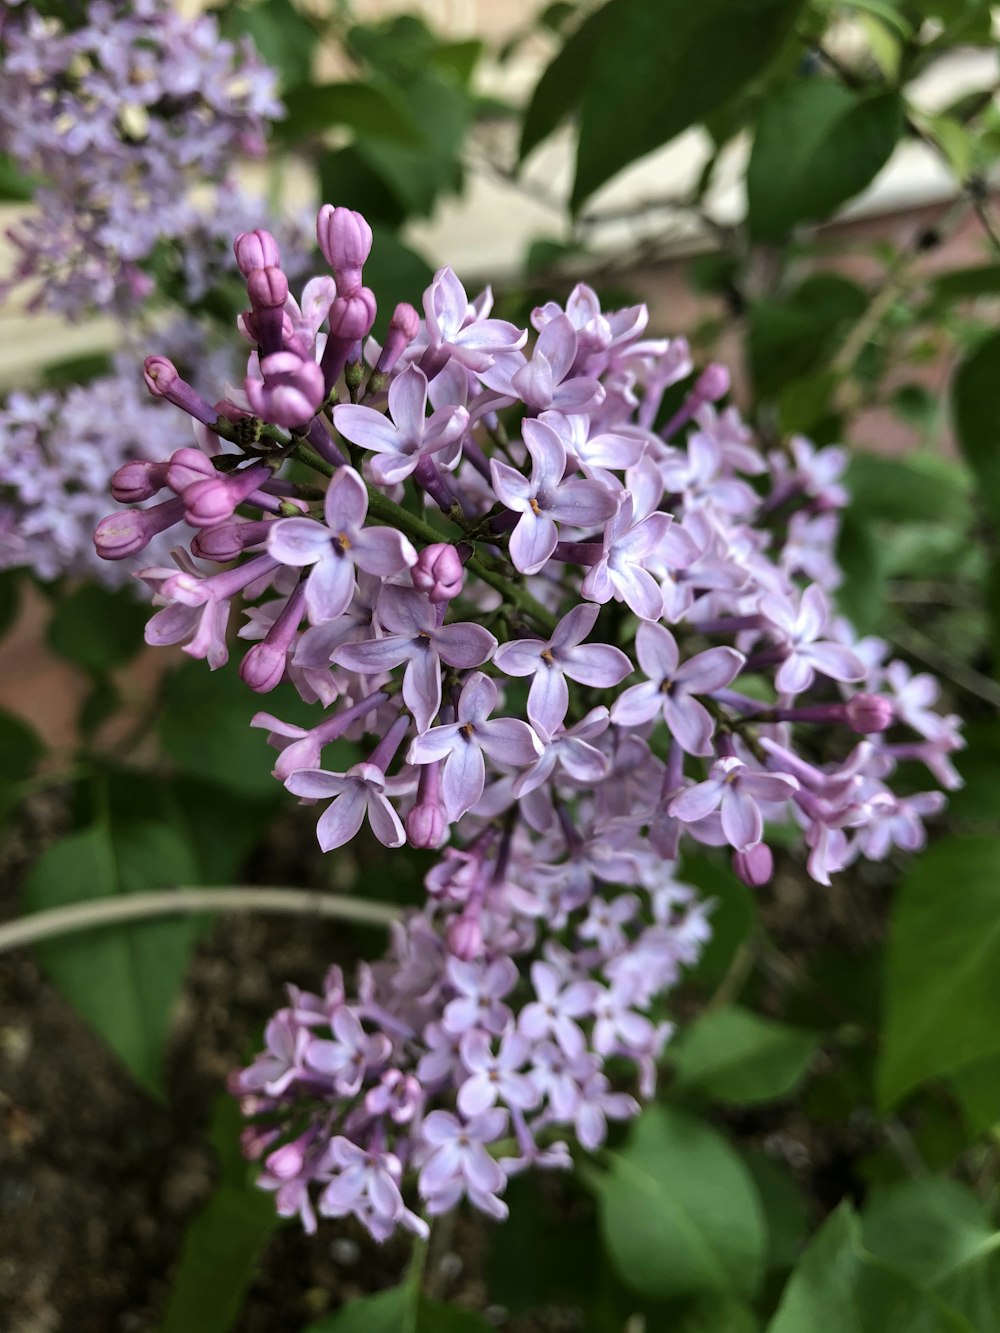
(329, 588)
(509, 741)
(574, 627)
(710, 670)
(342, 818)
(382, 551)
(656, 649)
(422, 686)
(548, 699)
(346, 505)
(582, 503)
(298, 541)
(374, 655)
(435, 744)
(689, 722)
(521, 657)
(384, 820)
(742, 822)
(638, 704)
(366, 427)
(513, 489)
(478, 698)
(533, 541)
(596, 664)
(639, 591)
(696, 802)
(463, 779)
(316, 783)
(835, 661)
(464, 645)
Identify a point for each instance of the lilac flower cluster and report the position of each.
(56, 447)
(119, 118)
(568, 638)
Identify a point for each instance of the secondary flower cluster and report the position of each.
(119, 118)
(56, 446)
(569, 631)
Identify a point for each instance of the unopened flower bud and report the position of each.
(351, 317)
(427, 825)
(712, 383)
(263, 666)
(290, 393)
(213, 499)
(160, 375)
(254, 250)
(754, 867)
(126, 533)
(267, 288)
(403, 328)
(345, 239)
(163, 381)
(866, 713)
(137, 481)
(439, 572)
(187, 466)
(464, 938)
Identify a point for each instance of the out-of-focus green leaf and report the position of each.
(942, 1003)
(733, 1055)
(975, 404)
(560, 89)
(395, 273)
(20, 750)
(205, 729)
(15, 187)
(861, 596)
(926, 1228)
(122, 979)
(733, 914)
(977, 1088)
(344, 175)
(10, 598)
(97, 629)
(798, 334)
(362, 108)
(920, 488)
(541, 1257)
(400, 1310)
(817, 145)
(679, 1211)
(786, 1208)
(283, 36)
(962, 284)
(838, 1287)
(660, 66)
(890, 14)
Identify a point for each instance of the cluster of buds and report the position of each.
(569, 634)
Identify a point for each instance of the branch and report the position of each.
(189, 902)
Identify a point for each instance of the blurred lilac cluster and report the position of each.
(569, 632)
(119, 119)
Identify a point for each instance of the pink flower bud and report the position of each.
(263, 666)
(712, 383)
(213, 499)
(351, 317)
(126, 533)
(267, 288)
(163, 381)
(255, 1141)
(866, 713)
(345, 239)
(427, 825)
(291, 392)
(187, 466)
(160, 375)
(256, 249)
(138, 481)
(403, 328)
(754, 867)
(228, 541)
(439, 572)
(464, 938)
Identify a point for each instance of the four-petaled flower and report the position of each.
(358, 792)
(737, 788)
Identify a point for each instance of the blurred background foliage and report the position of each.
(824, 1153)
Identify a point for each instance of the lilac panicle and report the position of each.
(563, 647)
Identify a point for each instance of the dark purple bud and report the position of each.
(267, 288)
(120, 535)
(138, 481)
(228, 541)
(213, 500)
(866, 713)
(754, 867)
(256, 249)
(439, 572)
(345, 239)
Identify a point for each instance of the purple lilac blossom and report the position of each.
(119, 117)
(455, 555)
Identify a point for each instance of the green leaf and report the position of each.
(885, 10)
(786, 1208)
(559, 90)
(963, 284)
(283, 36)
(122, 979)
(975, 405)
(838, 1287)
(861, 596)
(733, 915)
(205, 729)
(97, 629)
(360, 107)
(540, 1256)
(400, 1310)
(922, 488)
(977, 1088)
(733, 1055)
(15, 187)
(661, 66)
(679, 1211)
(942, 1002)
(20, 750)
(926, 1228)
(817, 145)
(798, 334)
(218, 1260)
(395, 273)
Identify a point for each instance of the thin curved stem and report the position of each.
(188, 902)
